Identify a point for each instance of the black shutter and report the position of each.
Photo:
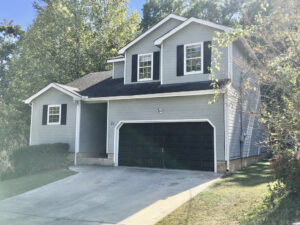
(207, 56)
(45, 114)
(156, 59)
(63, 120)
(180, 59)
(134, 68)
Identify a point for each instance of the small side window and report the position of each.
(54, 114)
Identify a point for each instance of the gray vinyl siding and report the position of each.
(146, 45)
(174, 108)
(193, 33)
(93, 128)
(118, 71)
(233, 122)
(244, 131)
(48, 134)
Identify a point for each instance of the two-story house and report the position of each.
(152, 109)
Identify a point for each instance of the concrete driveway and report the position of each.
(98, 195)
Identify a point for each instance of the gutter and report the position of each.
(157, 95)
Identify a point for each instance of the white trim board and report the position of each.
(116, 60)
(77, 130)
(186, 23)
(31, 120)
(226, 129)
(171, 16)
(158, 95)
(57, 87)
(120, 123)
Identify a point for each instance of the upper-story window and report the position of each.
(145, 67)
(193, 58)
(54, 114)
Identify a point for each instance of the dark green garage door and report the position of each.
(186, 145)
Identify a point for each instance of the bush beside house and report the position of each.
(36, 158)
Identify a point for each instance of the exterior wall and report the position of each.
(233, 122)
(177, 108)
(243, 127)
(193, 33)
(118, 71)
(146, 45)
(48, 134)
(93, 129)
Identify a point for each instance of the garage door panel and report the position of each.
(167, 145)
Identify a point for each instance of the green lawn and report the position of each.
(20, 185)
(226, 202)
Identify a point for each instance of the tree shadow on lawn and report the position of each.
(252, 175)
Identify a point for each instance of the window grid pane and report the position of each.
(54, 114)
(193, 58)
(145, 64)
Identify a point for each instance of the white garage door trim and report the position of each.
(120, 123)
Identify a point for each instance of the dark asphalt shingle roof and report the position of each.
(115, 87)
(101, 84)
(90, 80)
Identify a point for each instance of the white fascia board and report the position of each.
(52, 85)
(116, 60)
(158, 95)
(171, 16)
(186, 23)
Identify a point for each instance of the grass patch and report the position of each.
(226, 202)
(12, 187)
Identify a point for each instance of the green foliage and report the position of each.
(225, 12)
(9, 34)
(278, 207)
(286, 168)
(36, 158)
(156, 10)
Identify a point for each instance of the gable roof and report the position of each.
(71, 91)
(186, 23)
(73, 88)
(171, 16)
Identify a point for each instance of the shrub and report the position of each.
(286, 168)
(36, 158)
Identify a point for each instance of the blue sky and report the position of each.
(22, 12)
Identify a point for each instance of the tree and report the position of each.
(67, 40)
(156, 10)
(9, 35)
(274, 37)
(225, 12)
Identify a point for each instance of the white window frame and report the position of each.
(202, 60)
(138, 67)
(48, 115)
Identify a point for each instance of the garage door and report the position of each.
(167, 145)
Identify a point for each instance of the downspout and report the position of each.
(241, 119)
